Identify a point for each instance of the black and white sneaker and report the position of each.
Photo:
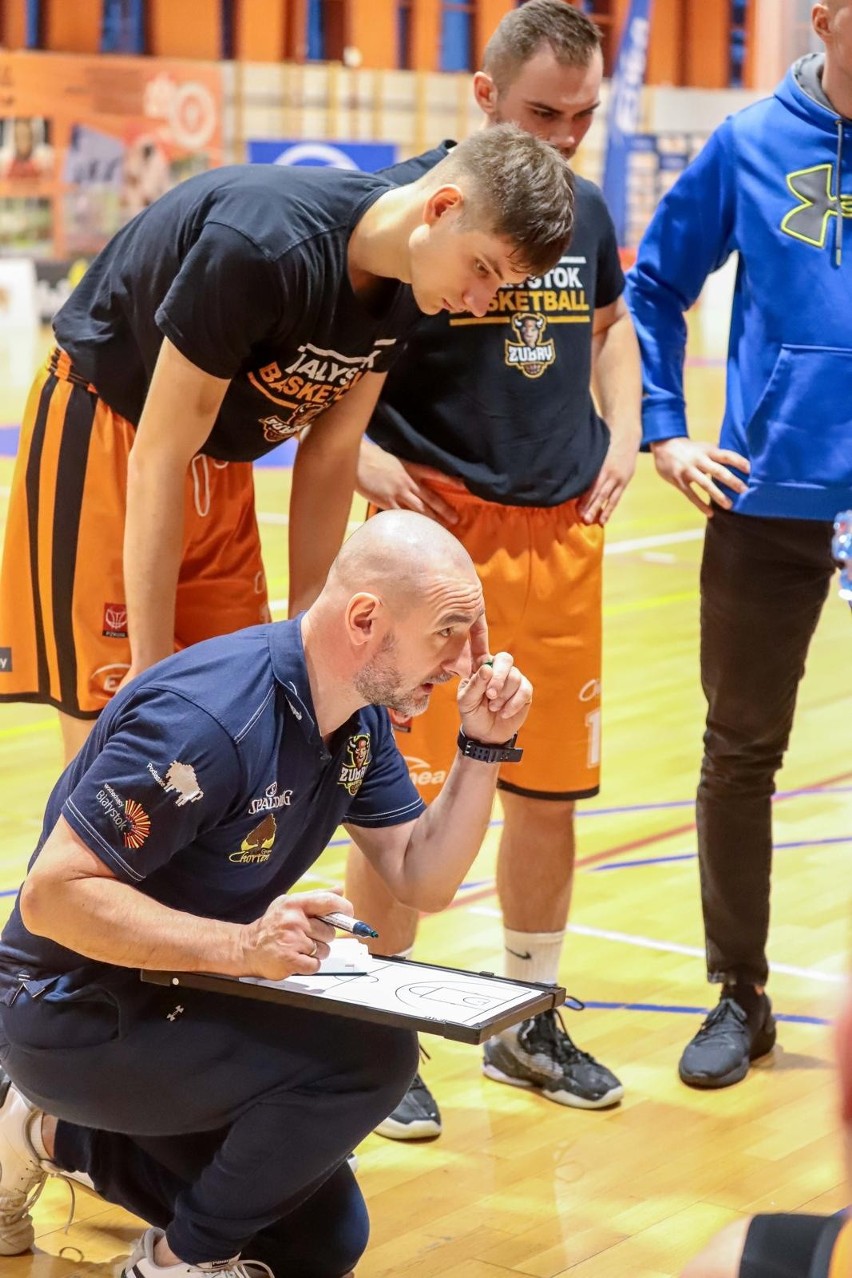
(416, 1117)
(739, 1030)
(538, 1054)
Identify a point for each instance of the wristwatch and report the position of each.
(505, 752)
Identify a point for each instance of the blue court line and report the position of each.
(671, 804)
(691, 856)
(675, 1010)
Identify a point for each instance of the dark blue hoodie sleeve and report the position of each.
(690, 236)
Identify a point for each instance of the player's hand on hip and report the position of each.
(290, 937)
(697, 468)
(392, 484)
(606, 492)
(494, 701)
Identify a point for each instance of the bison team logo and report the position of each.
(257, 845)
(527, 350)
(181, 780)
(137, 824)
(357, 761)
(115, 621)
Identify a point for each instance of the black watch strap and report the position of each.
(506, 752)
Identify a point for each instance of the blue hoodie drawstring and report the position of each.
(838, 199)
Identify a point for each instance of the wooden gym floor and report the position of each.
(517, 1185)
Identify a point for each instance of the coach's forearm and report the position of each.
(111, 922)
(447, 837)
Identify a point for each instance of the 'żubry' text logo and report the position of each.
(357, 761)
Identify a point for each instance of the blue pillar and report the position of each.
(33, 31)
(123, 26)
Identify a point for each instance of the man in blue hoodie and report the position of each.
(769, 185)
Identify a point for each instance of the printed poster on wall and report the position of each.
(87, 142)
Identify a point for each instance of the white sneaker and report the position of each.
(141, 1264)
(22, 1173)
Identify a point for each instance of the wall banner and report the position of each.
(86, 142)
(623, 114)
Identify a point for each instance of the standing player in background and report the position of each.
(240, 307)
(773, 183)
(487, 423)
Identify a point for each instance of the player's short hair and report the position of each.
(572, 36)
(517, 187)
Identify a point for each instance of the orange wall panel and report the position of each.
(487, 15)
(707, 44)
(372, 31)
(260, 30)
(426, 35)
(13, 23)
(72, 28)
(665, 48)
(184, 29)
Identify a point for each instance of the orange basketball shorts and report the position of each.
(63, 620)
(541, 573)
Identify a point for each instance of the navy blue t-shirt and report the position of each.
(207, 786)
(245, 270)
(504, 402)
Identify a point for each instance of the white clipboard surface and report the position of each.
(451, 1002)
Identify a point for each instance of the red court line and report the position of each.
(482, 894)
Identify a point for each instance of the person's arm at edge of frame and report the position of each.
(423, 862)
(617, 385)
(73, 898)
(180, 409)
(324, 474)
(690, 236)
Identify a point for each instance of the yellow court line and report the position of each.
(24, 729)
(643, 605)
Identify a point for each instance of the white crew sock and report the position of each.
(532, 956)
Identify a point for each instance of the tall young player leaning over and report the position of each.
(242, 306)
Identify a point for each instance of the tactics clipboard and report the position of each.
(467, 1007)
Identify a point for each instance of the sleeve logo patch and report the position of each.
(180, 779)
(357, 761)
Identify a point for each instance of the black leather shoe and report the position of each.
(729, 1040)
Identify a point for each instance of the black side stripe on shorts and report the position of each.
(32, 485)
(71, 477)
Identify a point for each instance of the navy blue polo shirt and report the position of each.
(207, 786)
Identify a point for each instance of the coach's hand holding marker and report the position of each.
(347, 924)
(493, 703)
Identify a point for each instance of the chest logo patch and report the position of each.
(815, 189)
(356, 763)
(257, 845)
(528, 349)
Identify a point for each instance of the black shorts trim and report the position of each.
(32, 486)
(71, 478)
(44, 699)
(554, 796)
